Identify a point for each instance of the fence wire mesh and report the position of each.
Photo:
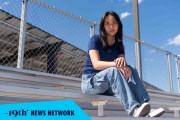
(9, 32)
(56, 42)
(175, 81)
(178, 72)
(60, 49)
(154, 67)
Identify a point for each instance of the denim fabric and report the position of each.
(130, 92)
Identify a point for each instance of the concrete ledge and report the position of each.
(131, 118)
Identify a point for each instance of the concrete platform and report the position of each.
(131, 118)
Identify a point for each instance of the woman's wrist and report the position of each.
(121, 55)
(113, 64)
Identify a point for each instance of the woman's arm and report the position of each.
(97, 64)
(100, 65)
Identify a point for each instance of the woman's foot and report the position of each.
(156, 112)
(142, 111)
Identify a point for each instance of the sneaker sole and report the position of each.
(145, 109)
(158, 113)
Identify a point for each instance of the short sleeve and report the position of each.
(94, 43)
(122, 51)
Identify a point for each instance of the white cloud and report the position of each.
(152, 51)
(3, 4)
(6, 3)
(125, 14)
(140, 1)
(174, 41)
(128, 1)
(149, 60)
(163, 46)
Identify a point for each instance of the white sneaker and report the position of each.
(142, 111)
(156, 112)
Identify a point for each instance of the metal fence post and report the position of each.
(169, 72)
(22, 35)
(178, 71)
(92, 30)
(137, 37)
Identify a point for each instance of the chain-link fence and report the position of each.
(56, 42)
(176, 73)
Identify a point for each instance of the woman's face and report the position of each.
(110, 25)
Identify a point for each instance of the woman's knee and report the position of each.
(113, 69)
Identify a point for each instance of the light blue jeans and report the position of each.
(130, 92)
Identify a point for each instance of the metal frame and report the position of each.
(22, 34)
(138, 60)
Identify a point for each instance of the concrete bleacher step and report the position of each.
(23, 85)
(114, 110)
(131, 118)
(121, 114)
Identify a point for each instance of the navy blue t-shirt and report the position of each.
(110, 55)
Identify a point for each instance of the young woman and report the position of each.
(107, 73)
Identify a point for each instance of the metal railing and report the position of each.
(55, 41)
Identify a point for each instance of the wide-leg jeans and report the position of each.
(130, 92)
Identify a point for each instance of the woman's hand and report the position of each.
(126, 71)
(120, 61)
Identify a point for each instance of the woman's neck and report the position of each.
(110, 40)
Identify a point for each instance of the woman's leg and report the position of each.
(137, 87)
(114, 79)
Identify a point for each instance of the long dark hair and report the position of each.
(118, 35)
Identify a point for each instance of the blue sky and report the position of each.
(159, 19)
(159, 26)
